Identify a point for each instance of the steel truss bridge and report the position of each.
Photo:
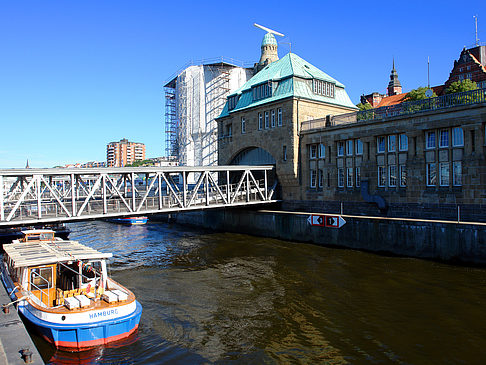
(33, 196)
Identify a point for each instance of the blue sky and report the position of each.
(76, 75)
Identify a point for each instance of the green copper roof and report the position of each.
(292, 76)
(269, 38)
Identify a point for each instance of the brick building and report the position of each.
(119, 154)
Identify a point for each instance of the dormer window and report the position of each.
(232, 101)
(323, 88)
(262, 91)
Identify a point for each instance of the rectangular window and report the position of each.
(403, 141)
(444, 174)
(444, 138)
(312, 178)
(229, 130)
(358, 177)
(321, 178)
(457, 137)
(340, 148)
(403, 175)
(430, 140)
(381, 175)
(392, 175)
(243, 126)
(323, 88)
(266, 120)
(358, 147)
(322, 151)
(380, 144)
(349, 147)
(273, 118)
(312, 151)
(457, 173)
(392, 142)
(279, 117)
(341, 177)
(349, 177)
(431, 174)
(260, 121)
(284, 153)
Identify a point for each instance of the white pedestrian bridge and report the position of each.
(33, 196)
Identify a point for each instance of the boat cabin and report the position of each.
(53, 272)
(37, 235)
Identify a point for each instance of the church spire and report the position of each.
(394, 86)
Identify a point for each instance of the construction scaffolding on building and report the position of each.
(194, 98)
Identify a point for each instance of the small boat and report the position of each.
(129, 220)
(62, 288)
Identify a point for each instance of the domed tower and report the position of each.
(394, 86)
(269, 48)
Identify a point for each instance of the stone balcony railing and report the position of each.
(406, 108)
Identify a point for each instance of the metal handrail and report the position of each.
(406, 108)
(42, 291)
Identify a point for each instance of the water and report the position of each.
(219, 298)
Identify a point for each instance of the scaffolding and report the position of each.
(171, 123)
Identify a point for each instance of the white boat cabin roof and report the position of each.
(25, 254)
(33, 231)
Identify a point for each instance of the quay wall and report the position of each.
(451, 242)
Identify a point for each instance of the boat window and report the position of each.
(41, 277)
(91, 270)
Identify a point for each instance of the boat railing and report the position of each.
(42, 292)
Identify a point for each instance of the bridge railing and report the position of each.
(30, 196)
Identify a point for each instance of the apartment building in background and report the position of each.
(124, 152)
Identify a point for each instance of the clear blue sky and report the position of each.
(75, 75)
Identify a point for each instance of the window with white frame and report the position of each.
(430, 140)
(279, 117)
(312, 151)
(457, 173)
(323, 88)
(267, 124)
(380, 144)
(403, 175)
(262, 91)
(322, 151)
(340, 148)
(444, 174)
(457, 137)
(392, 175)
(403, 142)
(349, 147)
(381, 176)
(321, 178)
(461, 77)
(260, 121)
(444, 138)
(392, 143)
(312, 178)
(243, 125)
(273, 118)
(358, 148)
(431, 174)
(341, 177)
(358, 177)
(349, 177)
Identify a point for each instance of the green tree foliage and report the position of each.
(365, 106)
(141, 163)
(417, 94)
(460, 86)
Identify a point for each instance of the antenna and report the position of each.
(476, 23)
(428, 72)
(268, 30)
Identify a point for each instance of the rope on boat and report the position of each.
(15, 301)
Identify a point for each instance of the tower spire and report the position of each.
(394, 86)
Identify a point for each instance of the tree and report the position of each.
(418, 94)
(365, 106)
(460, 86)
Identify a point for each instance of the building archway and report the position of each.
(253, 156)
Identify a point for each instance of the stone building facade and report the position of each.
(427, 165)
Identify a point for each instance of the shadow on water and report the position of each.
(228, 298)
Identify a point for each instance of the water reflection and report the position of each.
(226, 298)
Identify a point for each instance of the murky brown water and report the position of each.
(225, 298)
